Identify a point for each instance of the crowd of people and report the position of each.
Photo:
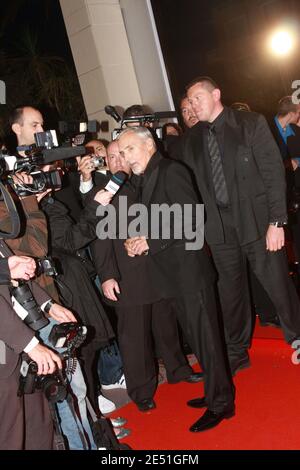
(226, 159)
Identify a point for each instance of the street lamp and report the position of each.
(281, 44)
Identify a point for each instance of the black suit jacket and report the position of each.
(169, 270)
(254, 175)
(174, 271)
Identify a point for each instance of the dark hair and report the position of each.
(208, 82)
(16, 115)
(286, 105)
(240, 106)
(105, 142)
(135, 110)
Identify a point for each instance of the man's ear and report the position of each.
(16, 128)
(217, 94)
(149, 144)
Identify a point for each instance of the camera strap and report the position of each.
(5, 251)
(13, 213)
(59, 441)
(70, 402)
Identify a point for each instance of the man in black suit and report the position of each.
(184, 276)
(240, 176)
(141, 312)
(25, 421)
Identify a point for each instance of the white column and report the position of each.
(117, 55)
(101, 54)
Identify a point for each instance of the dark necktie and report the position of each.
(217, 169)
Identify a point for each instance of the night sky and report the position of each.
(220, 38)
(43, 18)
(226, 39)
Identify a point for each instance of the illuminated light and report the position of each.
(282, 43)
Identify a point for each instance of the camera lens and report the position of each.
(98, 162)
(34, 318)
(53, 388)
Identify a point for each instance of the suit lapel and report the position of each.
(150, 178)
(149, 186)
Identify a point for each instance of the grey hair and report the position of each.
(142, 132)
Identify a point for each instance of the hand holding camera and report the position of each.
(47, 361)
(86, 168)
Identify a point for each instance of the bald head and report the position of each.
(25, 122)
(115, 161)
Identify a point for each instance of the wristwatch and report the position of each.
(48, 306)
(278, 223)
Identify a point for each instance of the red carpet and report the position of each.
(267, 409)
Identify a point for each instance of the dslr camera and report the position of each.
(53, 385)
(64, 335)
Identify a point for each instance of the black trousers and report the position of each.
(197, 314)
(271, 269)
(139, 327)
(264, 308)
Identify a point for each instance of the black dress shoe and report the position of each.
(210, 419)
(194, 378)
(240, 364)
(146, 405)
(197, 403)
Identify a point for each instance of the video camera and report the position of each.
(142, 119)
(77, 131)
(45, 151)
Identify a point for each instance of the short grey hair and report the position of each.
(142, 132)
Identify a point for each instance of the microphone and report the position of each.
(111, 111)
(116, 181)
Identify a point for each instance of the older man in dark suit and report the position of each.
(240, 175)
(184, 276)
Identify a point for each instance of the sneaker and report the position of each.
(118, 422)
(105, 405)
(121, 433)
(120, 384)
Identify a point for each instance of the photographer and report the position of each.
(33, 241)
(87, 166)
(25, 421)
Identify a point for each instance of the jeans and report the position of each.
(70, 424)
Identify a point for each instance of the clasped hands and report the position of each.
(136, 246)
